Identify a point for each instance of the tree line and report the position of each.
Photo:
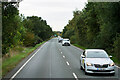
(20, 30)
(96, 26)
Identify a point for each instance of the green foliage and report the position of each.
(117, 47)
(29, 39)
(96, 26)
(38, 26)
(18, 30)
(9, 63)
(12, 25)
(73, 39)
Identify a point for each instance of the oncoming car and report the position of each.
(96, 61)
(66, 42)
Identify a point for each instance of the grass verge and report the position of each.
(79, 46)
(9, 63)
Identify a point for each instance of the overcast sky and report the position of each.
(57, 13)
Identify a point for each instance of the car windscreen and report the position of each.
(66, 40)
(96, 54)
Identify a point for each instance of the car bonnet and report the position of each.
(99, 60)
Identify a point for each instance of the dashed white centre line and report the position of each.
(67, 63)
(75, 76)
(59, 49)
(63, 56)
(61, 52)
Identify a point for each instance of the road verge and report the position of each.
(10, 63)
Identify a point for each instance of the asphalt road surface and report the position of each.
(54, 61)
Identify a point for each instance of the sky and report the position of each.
(57, 13)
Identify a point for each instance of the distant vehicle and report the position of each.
(96, 61)
(66, 42)
(60, 40)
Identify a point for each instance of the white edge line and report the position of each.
(117, 66)
(75, 76)
(77, 48)
(25, 63)
(67, 63)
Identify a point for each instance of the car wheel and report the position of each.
(112, 74)
(85, 70)
(81, 66)
(86, 73)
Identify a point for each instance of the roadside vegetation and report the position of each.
(21, 53)
(96, 26)
(20, 35)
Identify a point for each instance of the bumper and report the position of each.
(60, 41)
(93, 69)
(66, 44)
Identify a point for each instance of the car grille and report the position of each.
(101, 66)
(66, 43)
(100, 70)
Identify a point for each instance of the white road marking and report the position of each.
(78, 48)
(67, 63)
(26, 63)
(63, 56)
(61, 52)
(59, 49)
(75, 76)
(117, 66)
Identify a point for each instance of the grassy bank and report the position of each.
(9, 63)
(81, 47)
(113, 58)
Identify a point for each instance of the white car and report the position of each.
(96, 61)
(66, 42)
(60, 40)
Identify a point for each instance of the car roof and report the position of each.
(94, 50)
(66, 39)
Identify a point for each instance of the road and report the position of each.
(54, 61)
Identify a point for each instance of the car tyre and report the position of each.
(85, 70)
(86, 73)
(112, 74)
(81, 66)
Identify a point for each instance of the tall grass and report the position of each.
(9, 63)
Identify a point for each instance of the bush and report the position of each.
(29, 39)
(73, 39)
(117, 47)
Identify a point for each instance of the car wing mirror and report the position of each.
(110, 56)
(82, 56)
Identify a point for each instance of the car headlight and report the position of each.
(112, 64)
(89, 64)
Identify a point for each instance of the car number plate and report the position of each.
(100, 69)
